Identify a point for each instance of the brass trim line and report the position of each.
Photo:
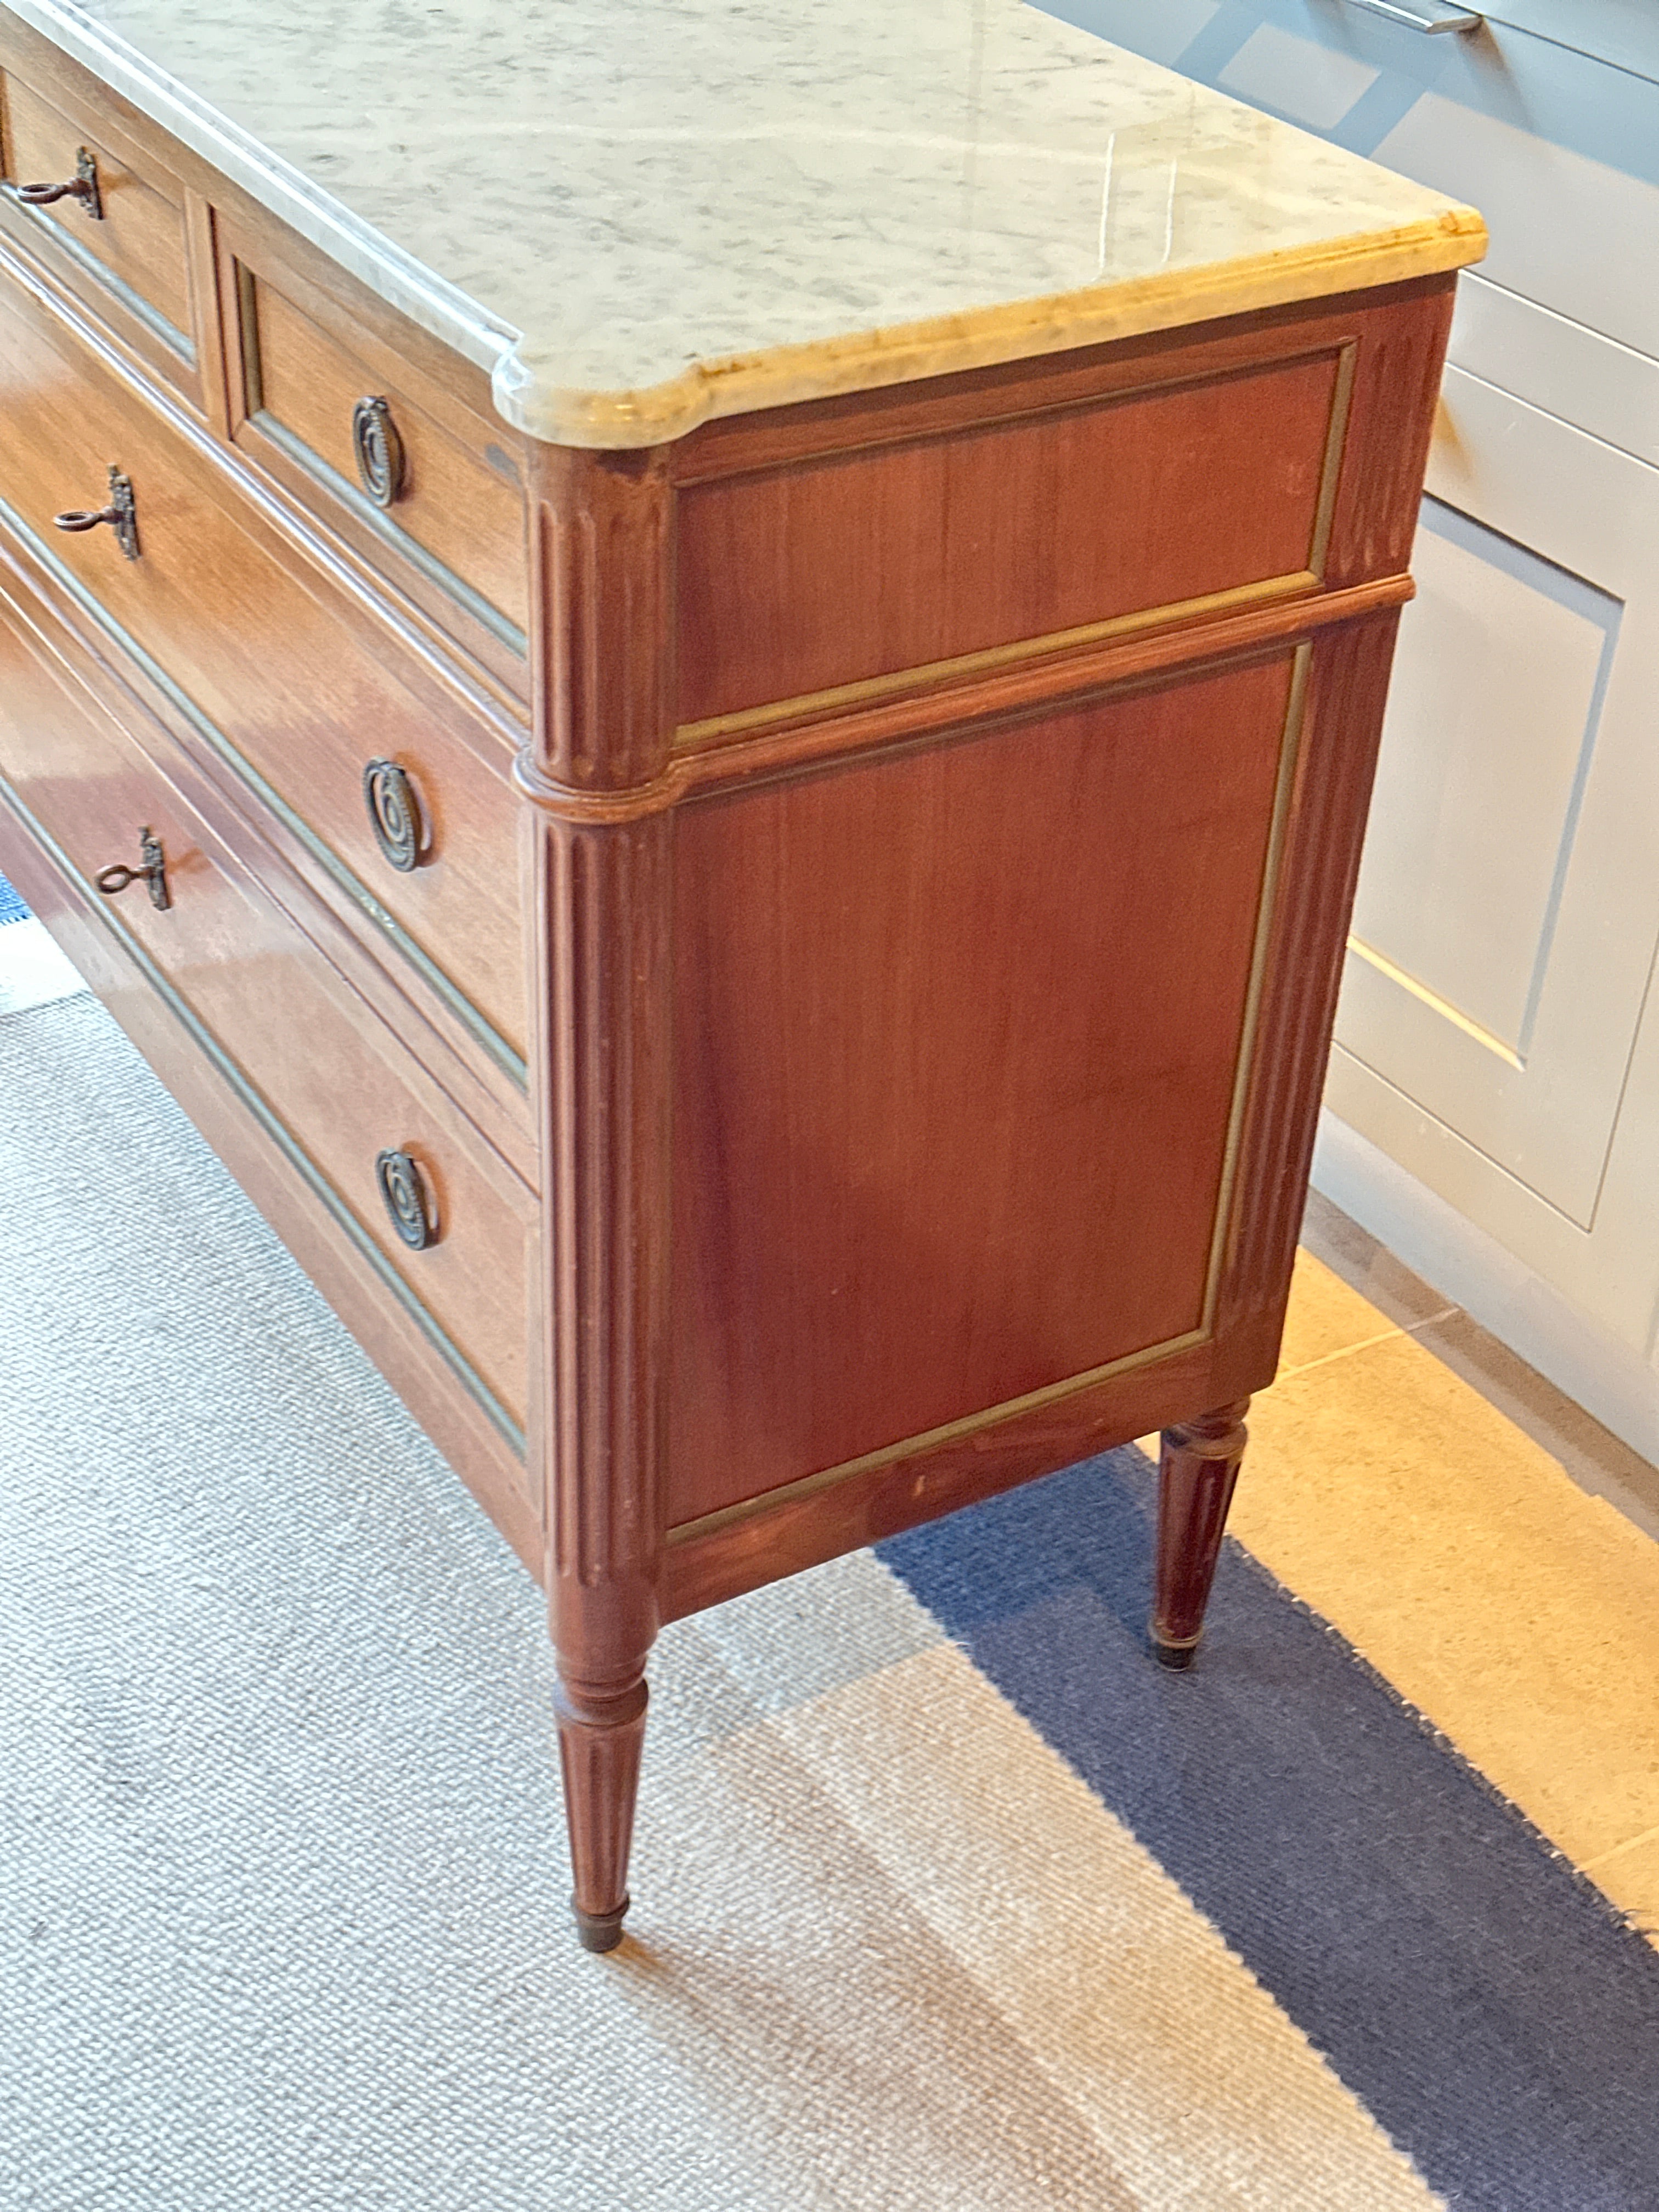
(808, 1485)
(869, 691)
(1289, 750)
(1330, 472)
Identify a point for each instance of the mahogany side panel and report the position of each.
(957, 1037)
(786, 1530)
(851, 565)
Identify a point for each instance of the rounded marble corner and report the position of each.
(532, 396)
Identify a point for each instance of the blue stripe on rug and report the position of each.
(1493, 2013)
(12, 909)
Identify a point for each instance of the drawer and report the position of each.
(282, 1021)
(383, 443)
(293, 685)
(119, 234)
(1559, 149)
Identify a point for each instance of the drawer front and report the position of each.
(291, 680)
(1559, 150)
(442, 483)
(295, 1035)
(133, 247)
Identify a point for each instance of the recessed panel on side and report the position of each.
(957, 1035)
(863, 563)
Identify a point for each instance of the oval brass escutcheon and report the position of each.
(394, 813)
(378, 449)
(408, 1203)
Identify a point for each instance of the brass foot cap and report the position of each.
(599, 1931)
(1170, 1653)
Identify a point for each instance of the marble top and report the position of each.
(638, 213)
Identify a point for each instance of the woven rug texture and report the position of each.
(945, 1899)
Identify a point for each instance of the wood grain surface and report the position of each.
(333, 1076)
(822, 571)
(957, 1034)
(463, 511)
(141, 237)
(300, 681)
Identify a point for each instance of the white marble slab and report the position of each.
(641, 213)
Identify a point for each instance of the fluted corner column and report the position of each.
(598, 859)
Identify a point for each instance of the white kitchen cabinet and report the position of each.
(1494, 1093)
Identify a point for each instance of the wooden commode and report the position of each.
(736, 807)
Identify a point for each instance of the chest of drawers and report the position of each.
(767, 934)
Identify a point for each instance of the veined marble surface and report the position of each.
(641, 213)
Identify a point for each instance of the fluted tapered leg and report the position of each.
(1197, 1470)
(600, 1736)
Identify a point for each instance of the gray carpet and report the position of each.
(283, 1925)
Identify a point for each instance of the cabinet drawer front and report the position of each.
(289, 678)
(896, 556)
(453, 492)
(134, 248)
(297, 1037)
(1558, 149)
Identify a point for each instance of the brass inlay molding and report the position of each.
(1290, 747)
(873, 691)
(1005, 693)
(808, 1485)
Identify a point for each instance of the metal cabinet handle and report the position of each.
(378, 449)
(1422, 15)
(121, 514)
(394, 813)
(407, 1201)
(82, 187)
(153, 871)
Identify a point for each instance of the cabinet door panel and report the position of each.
(1508, 905)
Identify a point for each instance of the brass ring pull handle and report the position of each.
(112, 882)
(378, 449)
(407, 1201)
(82, 187)
(394, 814)
(121, 514)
